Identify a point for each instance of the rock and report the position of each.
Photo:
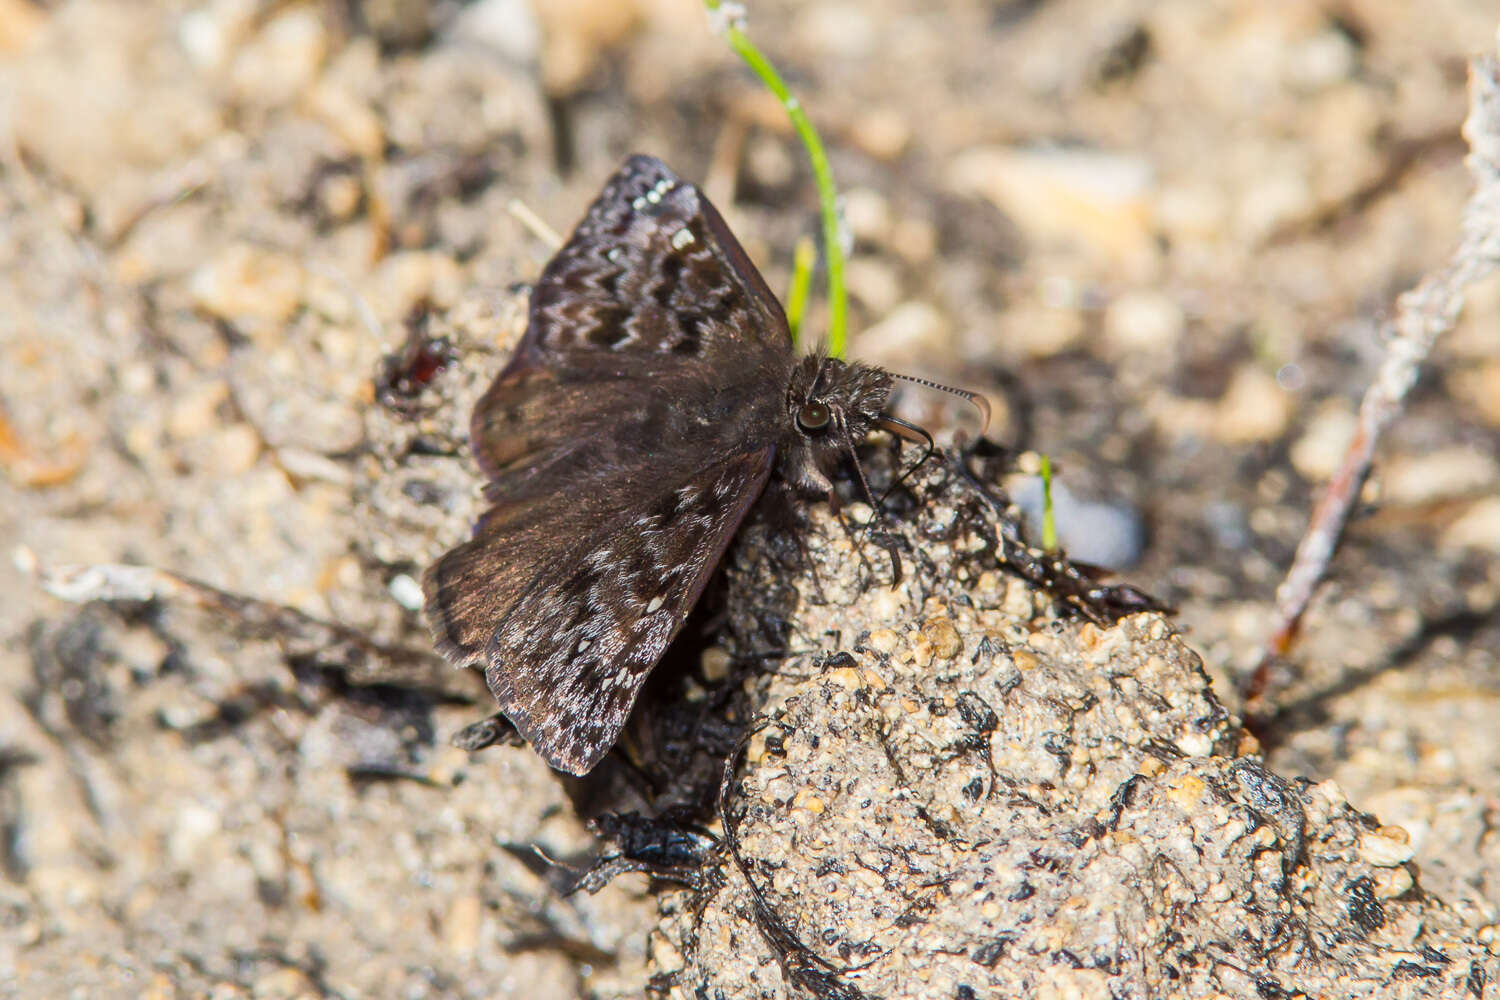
(1279, 194)
(1445, 474)
(1385, 848)
(1477, 528)
(1479, 386)
(248, 284)
(1320, 61)
(881, 132)
(1040, 330)
(1254, 407)
(1317, 453)
(1094, 200)
(1144, 320)
(913, 332)
(20, 22)
(508, 26)
(281, 61)
(868, 215)
(575, 36)
(914, 826)
(844, 29)
(874, 284)
(1111, 535)
(103, 121)
(1192, 210)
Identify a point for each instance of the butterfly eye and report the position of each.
(813, 417)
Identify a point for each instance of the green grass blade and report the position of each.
(833, 247)
(803, 260)
(1049, 522)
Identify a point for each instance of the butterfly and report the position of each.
(653, 396)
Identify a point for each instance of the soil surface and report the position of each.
(1158, 236)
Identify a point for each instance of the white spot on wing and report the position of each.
(655, 605)
(655, 195)
(683, 237)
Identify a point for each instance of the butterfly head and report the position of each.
(832, 405)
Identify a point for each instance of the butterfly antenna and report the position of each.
(979, 402)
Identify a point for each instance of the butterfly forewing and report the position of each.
(651, 269)
(651, 288)
(623, 444)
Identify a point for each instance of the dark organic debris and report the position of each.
(803, 968)
(662, 847)
(70, 664)
(13, 860)
(487, 732)
(1363, 906)
(405, 374)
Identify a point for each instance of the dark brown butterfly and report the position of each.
(652, 397)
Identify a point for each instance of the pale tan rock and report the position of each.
(245, 283)
(1144, 320)
(1444, 474)
(1253, 408)
(280, 62)
(1317, 453)
(1096, 201)
(1476, 528)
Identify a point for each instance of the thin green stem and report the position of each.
(1049, 522)
(803, 259)
(833, 248)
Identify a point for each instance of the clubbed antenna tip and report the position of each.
(980, 403)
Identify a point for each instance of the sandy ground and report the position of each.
(1158, 235)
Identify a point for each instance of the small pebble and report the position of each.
(1317, 453)
(1385, 848)
(1479, 386)
(1478, 528)
(874, 283)
(714, 664)
(20, 21)
(838, 29)
(1320, 61)
(195, 411)
(1112, 535)
(943, 637)
(1144, 320)
(508, 26)
(282, 60)
(462, 924)
(1444, 474)
(1253, 409)
(248, 283)
(867, 213)
(912, 333)
(881, 132)
(406, 591)
(1090, 198)
(235, 449)
(1276, 197)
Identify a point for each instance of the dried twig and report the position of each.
(1422, 315)
(299, 634)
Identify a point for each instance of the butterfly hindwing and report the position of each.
(568, 660)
